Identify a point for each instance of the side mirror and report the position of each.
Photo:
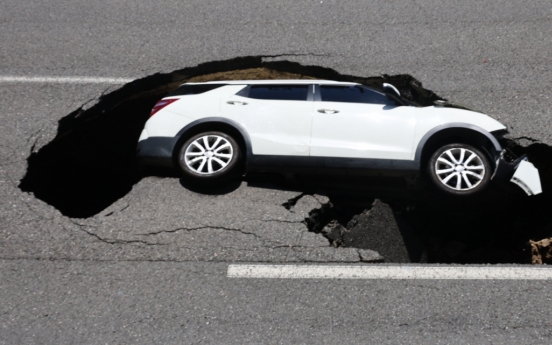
(393, 94)
(388, 88)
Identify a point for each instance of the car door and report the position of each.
(356, 122)
(277, 117)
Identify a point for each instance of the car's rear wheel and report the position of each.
(210, 157)
(460, 169)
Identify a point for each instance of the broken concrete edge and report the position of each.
(333, 221)
(324, 219)
(370, 256)
(288, 205)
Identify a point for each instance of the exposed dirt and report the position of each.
(541, 251)
(260, 73)
(91, 164)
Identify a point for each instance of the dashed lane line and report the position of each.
(64, 80)
(388, 272)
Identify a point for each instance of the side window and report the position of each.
(352, 94)
(278, 92)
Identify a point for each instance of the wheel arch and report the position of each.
(456, 132)
(215, 124)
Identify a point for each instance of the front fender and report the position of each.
(440, 128)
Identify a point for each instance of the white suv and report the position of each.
(211, 131)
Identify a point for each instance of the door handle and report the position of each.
(328, 111)
(236, 103)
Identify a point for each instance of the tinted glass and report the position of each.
(279, 92)
(194, 89)
(352, 94)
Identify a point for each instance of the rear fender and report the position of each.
(213, 122)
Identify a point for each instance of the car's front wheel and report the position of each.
(210, 157)
(459, 169)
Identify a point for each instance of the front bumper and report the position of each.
(518, 171)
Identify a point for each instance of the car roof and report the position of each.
(274, 81)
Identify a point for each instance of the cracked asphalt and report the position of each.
(246, 224)
(151, 266)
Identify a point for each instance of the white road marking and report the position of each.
(388, 272)
(64, 80)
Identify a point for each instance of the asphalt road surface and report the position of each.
(151, 267)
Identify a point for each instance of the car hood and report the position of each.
(449, 104)
(462, 115)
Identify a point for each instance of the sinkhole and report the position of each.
(91, 163)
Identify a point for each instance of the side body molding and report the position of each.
(429, 134)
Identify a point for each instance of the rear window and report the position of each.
(194, 89)
(352, 94)
(279, 92)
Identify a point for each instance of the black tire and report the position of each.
(460, 174)
(194, 164)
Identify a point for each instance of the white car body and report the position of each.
(314, 133)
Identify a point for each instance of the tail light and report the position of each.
(162, 104)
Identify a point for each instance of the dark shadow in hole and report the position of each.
(91, 162)
(91, 166)
(415, 248)
(491, 229)
(218, 190)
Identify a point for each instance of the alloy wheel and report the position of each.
(460, 169)
(208, 154)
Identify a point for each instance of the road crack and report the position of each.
(202, 227)
(282, 221)
(82, 227)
